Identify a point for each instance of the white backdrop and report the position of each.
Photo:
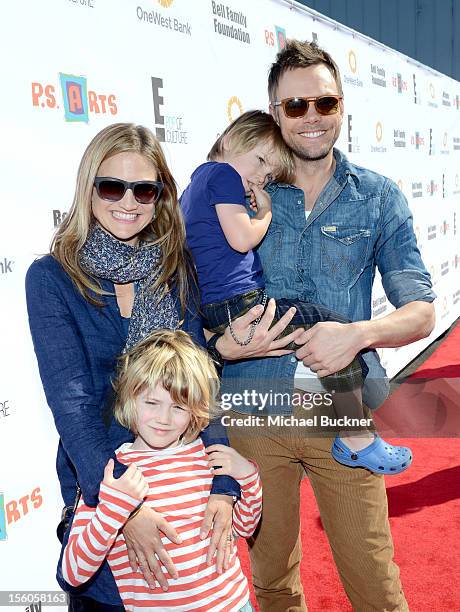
(70, 67)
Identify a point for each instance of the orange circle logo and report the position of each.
(378, 131)
(432, 92)
(234, 101)
(165, 3)
(444, 141)
(456, 180)
(400, 184)
(352, 61)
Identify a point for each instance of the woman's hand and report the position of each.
(263, 343)
(143, 541)
(218, 516)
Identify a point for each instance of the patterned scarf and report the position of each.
(106, 257)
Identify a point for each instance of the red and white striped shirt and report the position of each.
(179, 487)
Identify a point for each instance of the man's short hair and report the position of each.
(300, 54)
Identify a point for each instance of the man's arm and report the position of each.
(332, 346)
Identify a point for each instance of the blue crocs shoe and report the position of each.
(379, 457)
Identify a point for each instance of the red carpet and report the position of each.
(424, 508)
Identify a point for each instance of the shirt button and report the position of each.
(299, 201)
(293, 359)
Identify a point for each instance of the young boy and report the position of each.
(166, 392)
(221, 235)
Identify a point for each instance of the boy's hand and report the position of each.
(259, 200)
(229, 461)
(132, 482)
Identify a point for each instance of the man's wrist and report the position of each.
(365, 334)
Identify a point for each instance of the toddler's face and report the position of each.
(254, 166)
(160, 421)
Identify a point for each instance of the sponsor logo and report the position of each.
(444, 188)
(353, 141)
(456, 102)
(352, 79)
(456, 261)
(234, 24)
(417, 190)
(58, 217)
(456, 143)
(400, 184)
(430, 143)
(416, 97)
(445, 308)
(431, 188)
(432, 96)
(14, 510)
(432, 232)
(278, 35)
(379, 305)
(417, 235)
(446, 99)
(378, 137)
(434, 278)
(233, 103)
(399, 83)
(156, 18)
(5, 409)
(445, 146)
(399, 139)
(456, 297)
(87, 3)
(444, 268)
(378, 75)
(444, 228)
(6, 266)
(168, 128)
(455, 223)
(417, 141)
(77, 100)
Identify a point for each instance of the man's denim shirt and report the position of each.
(361, 220)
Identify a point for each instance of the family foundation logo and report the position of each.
(14, 510)
(168, 128)
(456, 143)
(168, 22)
(417, 189)
(444, 268)
(278, 35)
(378, 75)
(446, 99)
(431, 232)
(399, 139)
(231, 20)
(78, 102)
(353, 78)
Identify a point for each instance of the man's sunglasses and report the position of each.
(113, 189)
(298, 107)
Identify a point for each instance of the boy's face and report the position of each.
(254, 166)
(160, 421)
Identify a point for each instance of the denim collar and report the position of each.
(343, 170)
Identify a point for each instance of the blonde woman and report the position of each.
(116, 272)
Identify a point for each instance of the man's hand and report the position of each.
(263, 343)
(145, 548)
(329, 347)
(218, 516)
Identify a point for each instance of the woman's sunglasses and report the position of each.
(298, 107)
(113, 189)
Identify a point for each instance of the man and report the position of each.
(328, 234)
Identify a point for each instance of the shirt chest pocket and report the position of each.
(344, 252)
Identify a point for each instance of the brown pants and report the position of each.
(353, 508)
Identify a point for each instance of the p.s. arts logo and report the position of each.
(353, 141)
(16, 509)
(275, 36)
(399, 83)
(444, 228)
(166, 21)
(351, 76)
(378, 134)
(234, 108)
(431, 188)
(168, 128)
(417, 141)
(77, 101)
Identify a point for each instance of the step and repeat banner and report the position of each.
(185, 69)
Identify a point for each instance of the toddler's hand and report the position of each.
(229, 461)
(259, 200)
(132, 482)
